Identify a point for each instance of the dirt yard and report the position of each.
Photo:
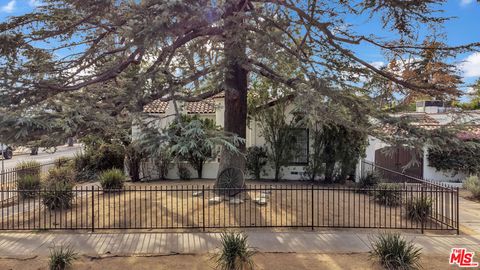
(181, 204)
(281, 261)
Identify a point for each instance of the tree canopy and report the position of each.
(73, 55)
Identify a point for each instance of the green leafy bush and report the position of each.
(61, 257)
(84, 167)
(394, 252)
(30, 167)
(388, 194)
(58, 195)
(256, 160)
(369, 180)
(112, 179)
(98, 157)
(419, 209)
(109, 156)
(458, 158)
(235, 253)
(184, 172)
(472, 184)
(28, 186)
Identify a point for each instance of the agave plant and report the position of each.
(235, 253)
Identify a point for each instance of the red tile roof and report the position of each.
(156, 106)
(201, 107)
(206, 106)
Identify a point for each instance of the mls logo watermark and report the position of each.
(462, 258)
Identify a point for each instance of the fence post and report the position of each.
(93, 208)
(313, 204)
(423, 218)
(203, 207)
(458, 214)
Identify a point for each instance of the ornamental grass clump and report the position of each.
(61, 257)
(472, 184)
(112, 179)
(388, 194)
(235, 253)
(419, 209)
(28, 186)
(30, 167)
(394, 252)
(58, 188)
(368, 181)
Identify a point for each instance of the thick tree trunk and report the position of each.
(235, 92)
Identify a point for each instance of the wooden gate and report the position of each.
(397, 158)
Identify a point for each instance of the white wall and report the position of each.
(429, 172)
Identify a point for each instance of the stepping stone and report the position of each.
(236, 201)
(260, 201)
(215, 200)
(197, 193)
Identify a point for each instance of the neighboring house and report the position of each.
(428, 115)
(213, 108)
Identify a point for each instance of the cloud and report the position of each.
(471, 65)
(465, 2)
(9, 7)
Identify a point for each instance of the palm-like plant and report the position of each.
(235, 253)
(394, 252)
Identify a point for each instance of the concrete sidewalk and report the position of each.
(29, 244)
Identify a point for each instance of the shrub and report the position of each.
(235, 253)
(109, 156)
(61, 257)
(184, 172)
(472, 184)
(418, 209)
(84, 167)
(58, 195)
(388, 194)
(369, 180)
(112, 179)
(394, 252)
(28, 186)
(28, 168)
(98, 157)
(61, 174)
(256, 160)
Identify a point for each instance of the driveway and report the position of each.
(43, 155)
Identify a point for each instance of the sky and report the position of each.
(463, 28)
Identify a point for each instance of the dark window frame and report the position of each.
(292, 163)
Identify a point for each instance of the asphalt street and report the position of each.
(44, 156)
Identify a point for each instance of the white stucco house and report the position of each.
(213, 108)
(428, 115)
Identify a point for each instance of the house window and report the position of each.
(300, 148)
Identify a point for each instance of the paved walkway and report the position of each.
(470, 215)
(30, 244)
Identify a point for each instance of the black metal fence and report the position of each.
(392, 176)
(203, 207)
(9, 177)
